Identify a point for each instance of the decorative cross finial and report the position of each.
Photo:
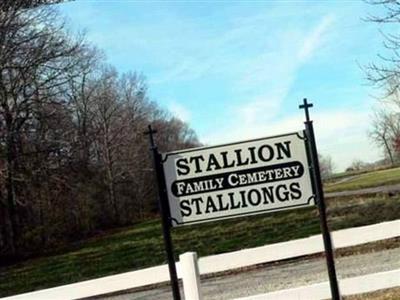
(306, 106)
(150, 132)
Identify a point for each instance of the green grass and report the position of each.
(141, 245)
(366, 180)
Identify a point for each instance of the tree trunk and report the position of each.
(110, 176)
(11, 220)
(388, 151)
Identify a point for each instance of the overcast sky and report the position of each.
(239, 69)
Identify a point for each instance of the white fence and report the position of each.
(219, 263)
(348, 286)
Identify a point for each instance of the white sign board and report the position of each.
(238, 179)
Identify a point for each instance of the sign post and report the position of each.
(239, 179)
(164, 209)
(319, 198)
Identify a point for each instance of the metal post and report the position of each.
(319, 198)
(164, 208)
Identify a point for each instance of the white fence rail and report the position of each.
(300, 247)
(218, 263)
(348, 286)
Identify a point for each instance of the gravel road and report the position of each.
(280, 276)
(394, 188)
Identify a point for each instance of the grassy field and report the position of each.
(365, 180)
(141, 245)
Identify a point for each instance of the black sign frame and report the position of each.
(318, 196)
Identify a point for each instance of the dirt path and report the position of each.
(394, 188)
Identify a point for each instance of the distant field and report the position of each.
(141, 245)
(364, 180)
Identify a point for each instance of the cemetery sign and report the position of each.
(244, 178)
(238, 179)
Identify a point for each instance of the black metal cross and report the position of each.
(164, 209)
(306, 106)
(150, 132)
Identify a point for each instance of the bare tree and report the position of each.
(27, 4)
(79, 94)
(385, 132)
(175, 134)
(326, 166)
(111, 127)
(34, 57)
(385, 74)
(135, 163)
(358, 165)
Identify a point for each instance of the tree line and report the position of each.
(74, 159)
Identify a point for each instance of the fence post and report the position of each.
(190, 276)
